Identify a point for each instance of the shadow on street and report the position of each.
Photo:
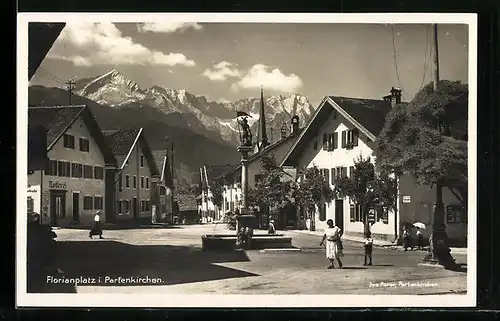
(107, 260)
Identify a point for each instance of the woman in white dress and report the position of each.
(333, 244)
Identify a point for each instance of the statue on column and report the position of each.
(245, 133)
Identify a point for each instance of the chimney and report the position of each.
(395, 97)
(295, 125)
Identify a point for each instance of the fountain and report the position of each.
(245, 219)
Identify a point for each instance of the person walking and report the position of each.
(420, 239)
(333, 244)
(407, 239)
(368, 244)
(271, 229)
(96, 227)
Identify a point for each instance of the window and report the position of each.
(326, 174)
(98, 202)
(355, 213)
(322, 212)
(64, 169)
(87, 203)
(84, 145)
(456, 214)
(147, 182)
(120, 183)
(332, 139)
(134, 182)
(98, 172)
(351, 171)
(119, 207)
(88, 171)
(344, 138)
(325, 141)
(76, 170)
(69, 141)
(127, 206)
(143, 205)
(148, 206)
(51, 168)
(343, 171)
(127, 181)
(351, 138)
(31, 204)
(142, 160)
(142, 181)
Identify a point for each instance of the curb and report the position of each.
(281, 250)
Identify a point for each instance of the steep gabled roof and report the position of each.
(123, 141)
(163, 164)
(58, 119)
(368, 115)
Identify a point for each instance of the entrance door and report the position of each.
(76, 207)
(339, 213)
(135, 210)
(57, 206)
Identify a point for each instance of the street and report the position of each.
(170, 260)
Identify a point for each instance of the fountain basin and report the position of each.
(259, 241)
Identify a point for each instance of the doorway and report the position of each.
(339, 214)
(134, 208)
(57, 206)
(76, 207)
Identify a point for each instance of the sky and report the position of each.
(230, 61)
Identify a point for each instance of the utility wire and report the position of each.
(426, 56)
(395, 59)
(52, 77)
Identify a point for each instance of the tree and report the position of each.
(367, 188)
(427, 138)
(272, 190)
(217, 193)
(312, 191)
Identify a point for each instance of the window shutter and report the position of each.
(344, 171)
(355, 133)
(332, 171)
(344, 138)
(351, 171)
(325, 140)
(335, 140)
(327, 175)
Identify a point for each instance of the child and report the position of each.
(368, 243)
(406, 239)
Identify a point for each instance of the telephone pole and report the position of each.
(70, 84)
(440, 252)
(172, 199)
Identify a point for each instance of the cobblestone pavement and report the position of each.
(172, 260)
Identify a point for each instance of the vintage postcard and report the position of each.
(246, 160)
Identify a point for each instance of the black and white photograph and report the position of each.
(246, 160)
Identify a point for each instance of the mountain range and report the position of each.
(204, 132)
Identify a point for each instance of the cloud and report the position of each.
(86, 44)
(222, 71)
(275, 79)
(167, 27)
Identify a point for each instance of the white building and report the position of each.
(136, 173)
(208, 211)
(341, 130)
(165, 186)
(76, 181)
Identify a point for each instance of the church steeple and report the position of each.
(262, 141)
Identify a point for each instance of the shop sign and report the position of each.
(57, 185)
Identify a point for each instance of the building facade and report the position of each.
(207, 209)
(72, 187)
(341, 130)
(165, 187)
(136, 175)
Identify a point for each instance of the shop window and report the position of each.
(355, 213)
(98, 172)
(87, 203)
(31, 204)
(98, 203)
(69, 141)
